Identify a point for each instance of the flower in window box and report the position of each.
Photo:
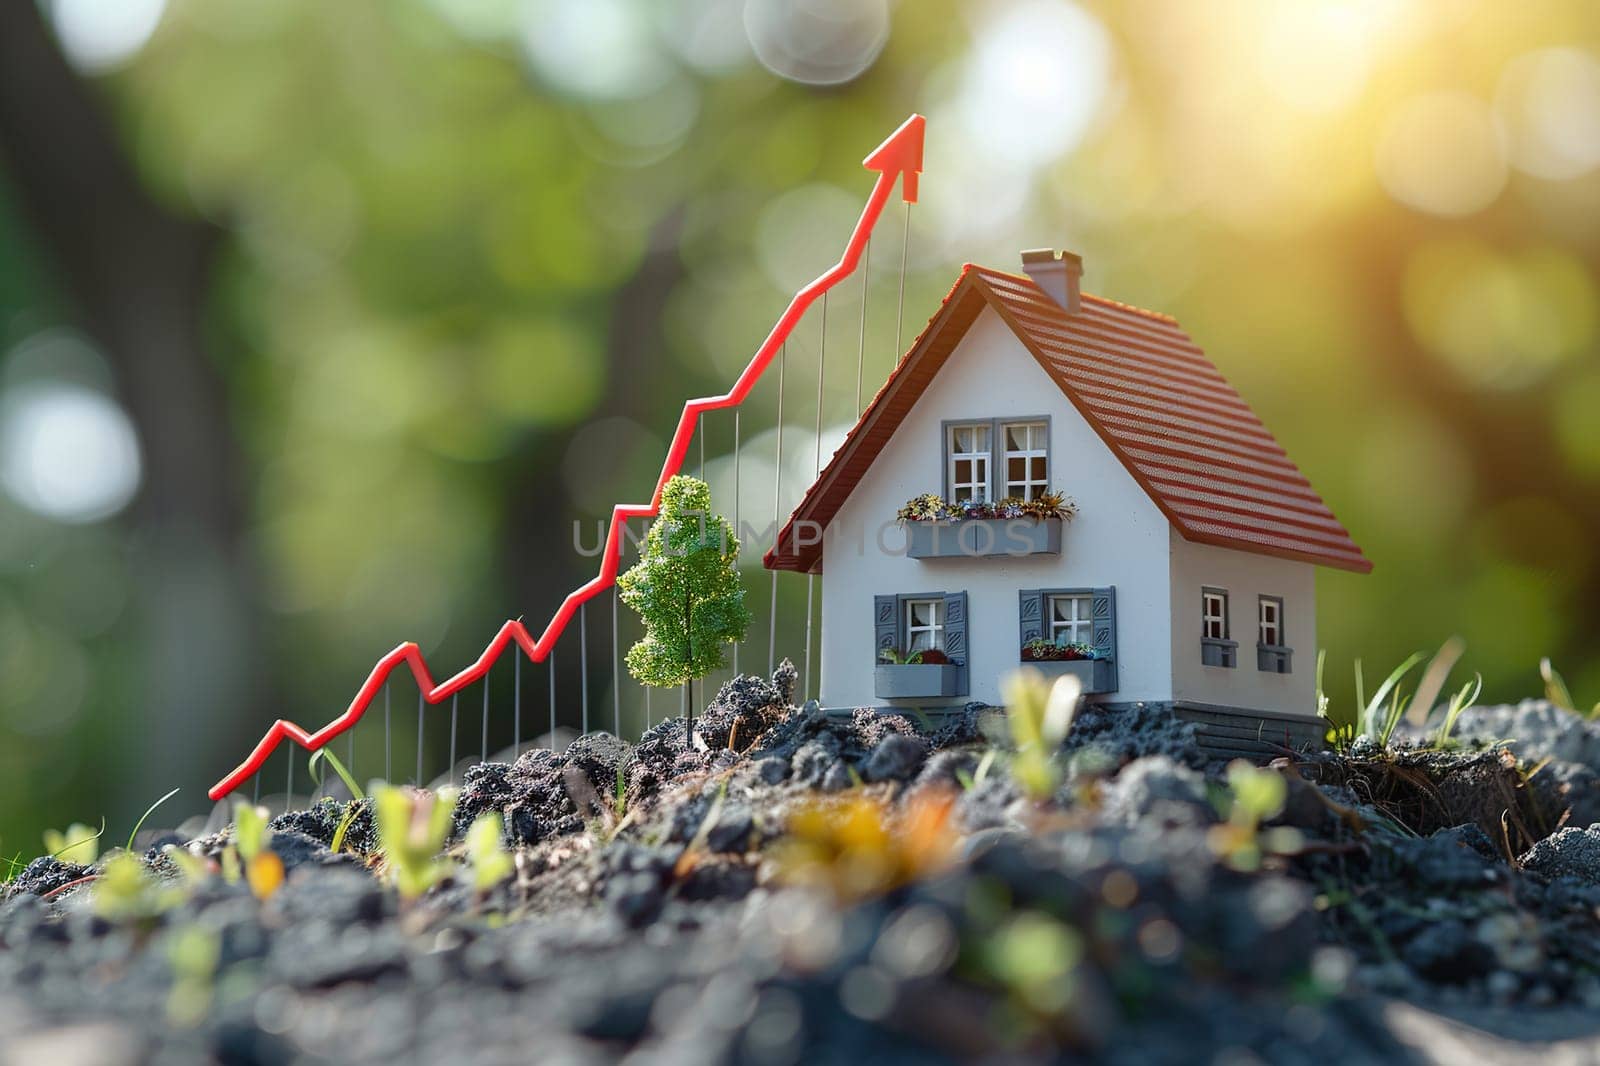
(925, 508)
(1040, 650)
(931, 508)
(925, 657)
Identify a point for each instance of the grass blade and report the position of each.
(148, 811)
(1433, 679)
(325, 754)
(1372, 716)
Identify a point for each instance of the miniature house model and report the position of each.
(1184, 578)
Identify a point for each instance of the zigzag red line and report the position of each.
(900, 155)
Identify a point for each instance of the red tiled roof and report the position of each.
(1151, 394)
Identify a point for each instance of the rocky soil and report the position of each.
(798, 888)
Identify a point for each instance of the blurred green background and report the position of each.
(321, 324)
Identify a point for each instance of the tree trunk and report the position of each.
(138, 278)
(688, 679)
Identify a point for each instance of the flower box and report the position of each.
(1096, 675)
(1214, 652)
(979, 537)
(901, 681)
(1274, 658)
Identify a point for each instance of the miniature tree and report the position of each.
(686, 588)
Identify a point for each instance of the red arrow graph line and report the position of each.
(897, 158)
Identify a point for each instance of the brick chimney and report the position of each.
(1057, 273)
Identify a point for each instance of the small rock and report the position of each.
(1447, 951)
(814, 759)
(1150, 783)
(732, 831)
(1459, 857)
(771, 771)
(896, 758)
(837, 778)
(1567, 852)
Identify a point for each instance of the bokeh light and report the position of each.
(67, 452)
(817, 42)
(599, 48)
(101, 35)
(1440, 153)
(1548, 105)
(1033, 83)
(1500, 319)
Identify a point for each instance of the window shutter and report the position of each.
(885, 624)
(955, 635)
(1103, 609)
(1030, 616)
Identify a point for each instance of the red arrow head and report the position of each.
(901, 154)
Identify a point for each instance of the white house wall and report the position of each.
(1245, 577)
(1119, 538)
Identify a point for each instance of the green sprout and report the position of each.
(1254, 796)
(412, 827)
(125, 890)
(1556, 691)
(1039, 715)
(487, 857)
(251, 831)
(78, 844)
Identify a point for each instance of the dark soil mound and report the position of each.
(691, 898)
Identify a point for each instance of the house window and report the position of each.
(1070, 621)
(1027, 459)
(1216, 649)
(1214, 614)
(990, 458)
(1273, 655)
(909, 623)
(1271, 614)
(924, 625)
(969, 450)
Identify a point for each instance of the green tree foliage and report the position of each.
(686, 589)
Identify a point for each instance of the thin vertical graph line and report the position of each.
(861, 350)
(420, 706)
(777, 512)
(900, 311)
(583, 661)
(616, 667)
(483, 755)
(388, 743)
(811, 579)
(737, 530)
(552, 661)
(454, 699)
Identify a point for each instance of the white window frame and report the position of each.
(1274, 606)
(934, 630)
(981, 456)
(1218, 598)
(1037, 432)
(1080, 623)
